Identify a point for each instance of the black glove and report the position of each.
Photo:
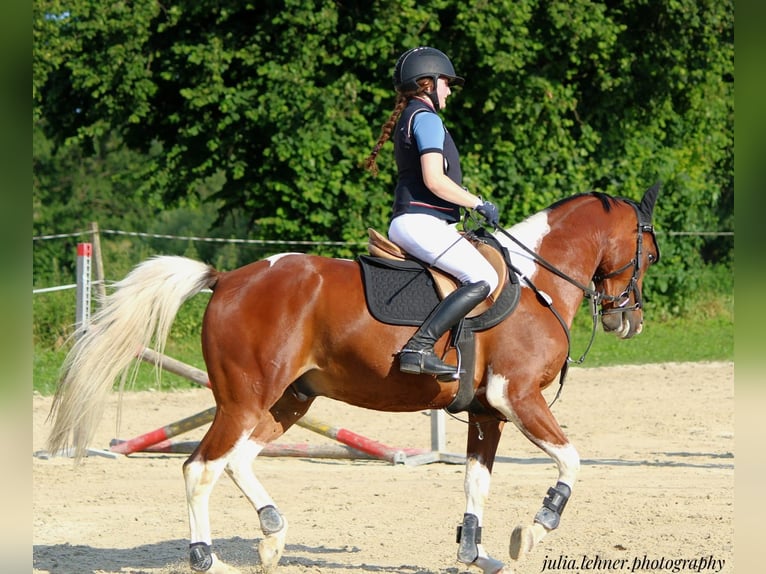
(489, 211)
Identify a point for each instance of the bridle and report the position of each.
(598, 297)
(621, 300)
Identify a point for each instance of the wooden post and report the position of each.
(98, 261)
(438, 433)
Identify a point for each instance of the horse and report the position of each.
(281, 331)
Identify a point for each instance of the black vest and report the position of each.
(411, 194)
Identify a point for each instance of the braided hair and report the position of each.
(402, 99)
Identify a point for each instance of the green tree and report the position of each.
(279, 102)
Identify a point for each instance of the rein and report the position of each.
(596, 297)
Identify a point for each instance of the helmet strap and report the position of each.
(433, 94)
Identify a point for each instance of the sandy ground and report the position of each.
(656, 487)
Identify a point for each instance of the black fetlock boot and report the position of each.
(418, 354)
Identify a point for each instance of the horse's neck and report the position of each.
(570, 248)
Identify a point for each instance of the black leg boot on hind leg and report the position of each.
(418, 354)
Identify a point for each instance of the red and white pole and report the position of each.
(82, 310)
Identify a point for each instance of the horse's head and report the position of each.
(619, 277)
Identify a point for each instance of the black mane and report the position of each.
(606, 200)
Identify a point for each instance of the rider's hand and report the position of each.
(489, 211)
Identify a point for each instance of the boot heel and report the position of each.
(411, 362)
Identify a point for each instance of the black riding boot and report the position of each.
(418, 354)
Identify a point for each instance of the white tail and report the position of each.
(138, 314)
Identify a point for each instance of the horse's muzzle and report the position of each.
(625, 324)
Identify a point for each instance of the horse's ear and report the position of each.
(646, 207)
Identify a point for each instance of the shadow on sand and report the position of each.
(171, 555)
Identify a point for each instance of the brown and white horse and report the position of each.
(300, 321)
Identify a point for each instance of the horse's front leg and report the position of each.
(483, 437)
(531, 414)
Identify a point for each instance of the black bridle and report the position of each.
(623, 298)
(597, 297)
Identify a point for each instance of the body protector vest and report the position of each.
(411, 194)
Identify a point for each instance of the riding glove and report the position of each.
(489, 211)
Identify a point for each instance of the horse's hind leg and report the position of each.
(532, 416)
(240, 468)
(201, 471)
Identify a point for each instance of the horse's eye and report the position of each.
(651, 258)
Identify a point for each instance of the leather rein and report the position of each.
(599, 296)
(596, 297)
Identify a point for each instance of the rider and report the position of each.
(428, 197)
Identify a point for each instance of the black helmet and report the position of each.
(423, 62)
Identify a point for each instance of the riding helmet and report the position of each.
(423, 62)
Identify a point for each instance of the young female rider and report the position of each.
(428, 198)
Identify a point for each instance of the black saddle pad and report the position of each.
(403, 293)
(398, 292)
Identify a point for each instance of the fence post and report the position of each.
(438, 434)
(98, 261)
(82, 309)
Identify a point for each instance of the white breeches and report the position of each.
(438, 243)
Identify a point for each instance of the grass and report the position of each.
(677, 340)
(47, 366)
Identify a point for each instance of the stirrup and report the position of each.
(458, 370)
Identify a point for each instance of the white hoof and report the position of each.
(489, 565)
(524, 539)
(219, 567)
(271, 548)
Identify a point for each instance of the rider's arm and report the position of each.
(428, 130)
(432, 164)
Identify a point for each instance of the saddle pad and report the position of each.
(398, 292)
(403, 293)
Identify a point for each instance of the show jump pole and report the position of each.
(344, 436)
(146, 440)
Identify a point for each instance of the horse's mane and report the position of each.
(606, 200)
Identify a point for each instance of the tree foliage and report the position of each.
(278, 102)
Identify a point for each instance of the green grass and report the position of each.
(676, 340)
(47, 366)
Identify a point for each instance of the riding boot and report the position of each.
(418, 355)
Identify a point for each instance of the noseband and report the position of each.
(623, 298)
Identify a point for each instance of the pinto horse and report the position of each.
(277, 327)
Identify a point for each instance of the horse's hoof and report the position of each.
(520, 543)
(524, 539)
(219, 567)
(271, 548)
(270, 551)
(489, 565)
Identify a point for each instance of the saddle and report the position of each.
(401, 290)
(380, 246)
